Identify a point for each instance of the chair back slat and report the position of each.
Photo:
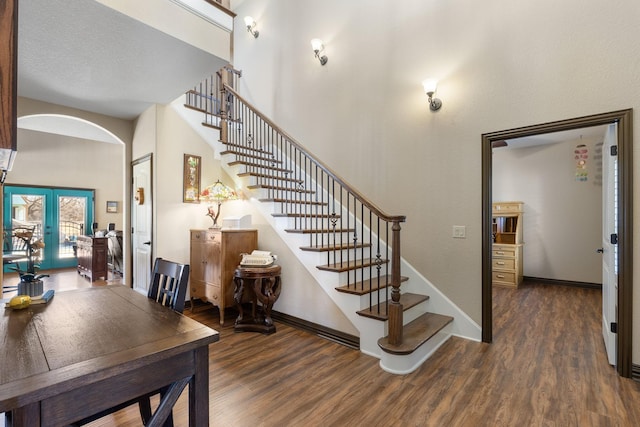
(169, 284)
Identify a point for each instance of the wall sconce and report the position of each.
(317, 46)
(430, 86)
(251, 23)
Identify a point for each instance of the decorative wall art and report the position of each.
(191, 179)
(581, 155)
(112, 207)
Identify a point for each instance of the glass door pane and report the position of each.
(57, 216)
(27, 210)
(72, 216)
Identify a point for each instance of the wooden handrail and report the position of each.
(218, 4)
(365, 201)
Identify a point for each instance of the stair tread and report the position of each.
(301, 215)
(252, 156)
(298, 202)
(246, 147)
(379, 311)
(416, 333)
(318, 230)
(209, 125)
(279, 188)
(367, 286)
(271, 177)
(339, 267)
(259, 165)
(328, 248)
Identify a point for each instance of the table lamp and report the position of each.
(217, 193)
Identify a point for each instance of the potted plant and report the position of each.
(30, 282)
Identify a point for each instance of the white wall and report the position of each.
(173, 218)
(562, 223)
(501, 65)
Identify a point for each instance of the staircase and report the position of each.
(349, 245)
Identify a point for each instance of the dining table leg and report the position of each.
(199, 389)
(25, 416)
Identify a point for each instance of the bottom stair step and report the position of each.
(416, 333)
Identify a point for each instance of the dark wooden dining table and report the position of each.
(91, 349)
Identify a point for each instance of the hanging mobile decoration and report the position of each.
(581, 155)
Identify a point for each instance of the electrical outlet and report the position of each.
(459, 232)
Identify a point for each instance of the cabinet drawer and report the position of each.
(503, 264)
(504, 253)
(205, 292)
(204, 235)
(503, 276)
(507, 207)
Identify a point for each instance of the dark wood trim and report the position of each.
(331, 334)
(339, 337)
(487, 214)
(8, 74)
(559, 282)
(221, 7)
(625, 219)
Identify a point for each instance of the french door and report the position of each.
(57, 215)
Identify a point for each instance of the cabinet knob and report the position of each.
(500, 276)
(600, 250)
(500, 263)
(500, 253)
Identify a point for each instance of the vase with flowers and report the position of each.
(30, 282)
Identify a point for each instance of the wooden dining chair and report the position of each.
(168, 287)
(169, 284)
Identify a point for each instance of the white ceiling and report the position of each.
(85, 55)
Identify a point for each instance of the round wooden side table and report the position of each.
(256, 284)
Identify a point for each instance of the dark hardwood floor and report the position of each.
(546, 367)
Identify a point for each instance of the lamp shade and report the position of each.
(249, 21)
(430, 86)
(218, 192)
(316, 45)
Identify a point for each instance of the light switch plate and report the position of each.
(459, 232)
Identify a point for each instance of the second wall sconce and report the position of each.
(430, 86)
(317, 46)
(251, 23)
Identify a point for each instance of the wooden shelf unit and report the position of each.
(506, 258)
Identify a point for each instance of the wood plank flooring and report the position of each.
(546, 367)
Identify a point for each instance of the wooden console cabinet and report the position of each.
(92, 257)
(506, 260)
(215, 254)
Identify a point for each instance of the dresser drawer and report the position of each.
(511, 253)
(503, 264)
(503, 277)
(204, 235)
(205, 292)
(507, 207)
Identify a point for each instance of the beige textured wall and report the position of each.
(58, 161)
(562, 223)
(501, 66)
